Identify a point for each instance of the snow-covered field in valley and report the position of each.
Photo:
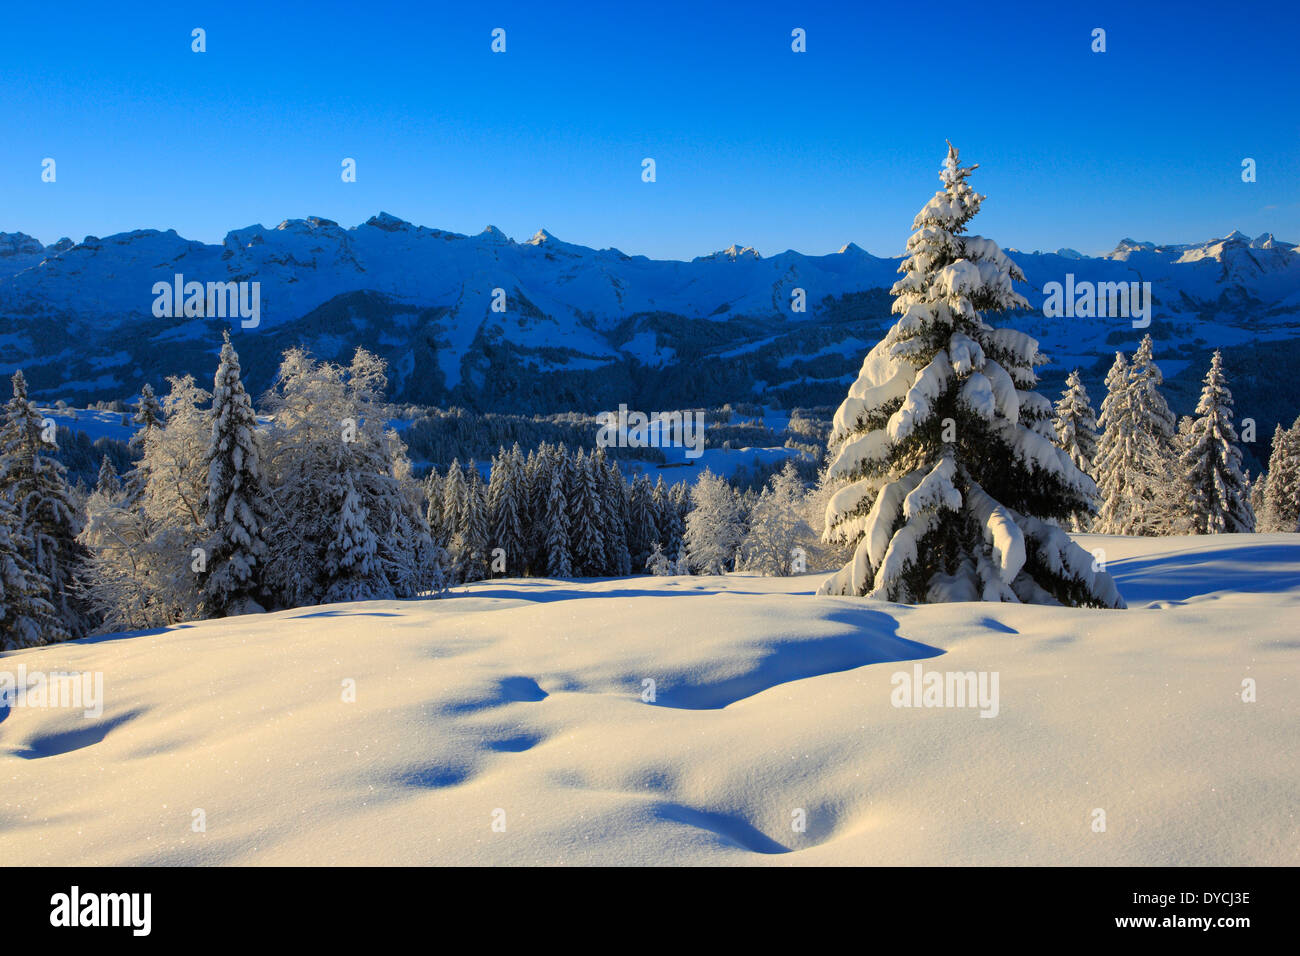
(520, 703)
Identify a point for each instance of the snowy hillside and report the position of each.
(520, 702)
(582, 328)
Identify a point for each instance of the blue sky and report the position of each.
(753, 143)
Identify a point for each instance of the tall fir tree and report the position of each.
(1075, 425)
(433, 485)
(668, 519)
(643, 531)
(557, 553)
(586, 523)
(238, 510)
(952, 479)
(1115, 463)
(506, 497)
(614, 514)
(474, 529)
(35, 482)
(1218, 499)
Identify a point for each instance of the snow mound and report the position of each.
(527, 701)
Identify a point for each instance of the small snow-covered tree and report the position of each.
(148, 415)
(658, 563)
(776, 525)
(237, 506)
(351, 565)
(108, 483)
(35, 482)
(951, 479)
(714, 527)
(1282, 482)
(1211, 463)
(1075, 425)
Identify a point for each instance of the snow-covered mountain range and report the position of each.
(582, 328)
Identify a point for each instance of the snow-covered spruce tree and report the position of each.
(668, 519)
(1115, 464)
(1218, 500)
(238, 510)
(148, 414)
(585, 520)
(642, 531)
(614, 516)
(35, 482)
(351, 566)
(433, 507)
(714, 527)
(27, 618)
(506, 498)
(1255, 492)
(108, 483)
(1156, 486)
(680, 497)
(557, 554)
(1282, 482)
(454, 502)
(953, 477)
(474, 529)
(1075, 426)
(776, 525)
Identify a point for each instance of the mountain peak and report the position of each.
(387, 222)
(732, 253)
(495, 234)
(540, 237)
(852, 248)
(18, 243)
(309, 224)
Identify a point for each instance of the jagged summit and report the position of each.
(17, 244)
(388, 223)
(733, 253)
(310, 224)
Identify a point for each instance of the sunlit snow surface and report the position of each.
(521, 701)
